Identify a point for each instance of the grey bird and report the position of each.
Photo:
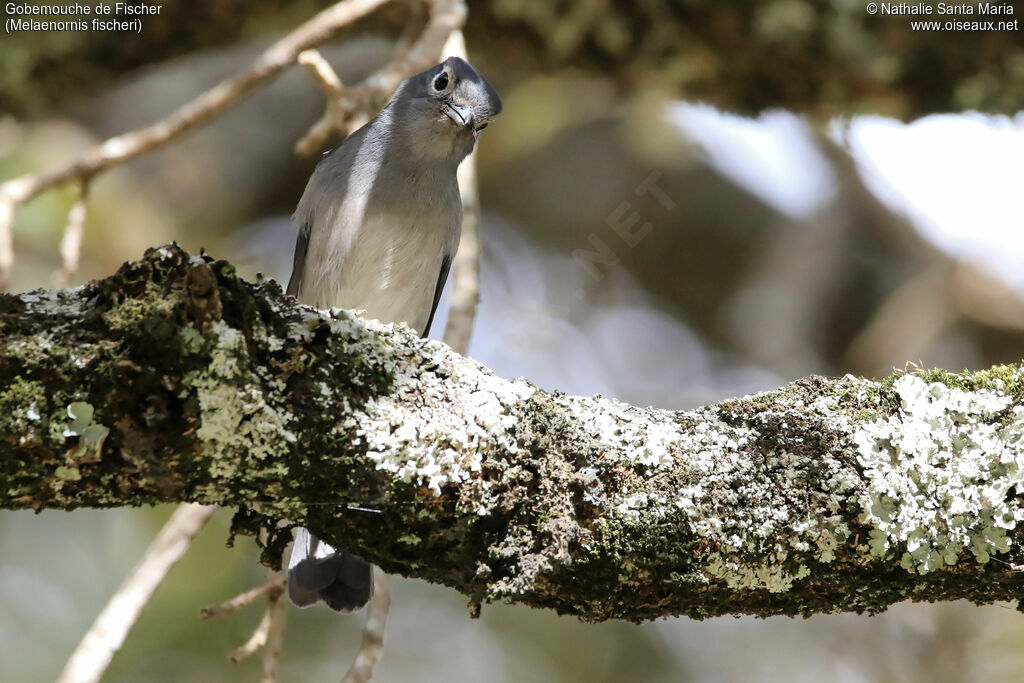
(378, 226)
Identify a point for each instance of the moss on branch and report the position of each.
(173, 380)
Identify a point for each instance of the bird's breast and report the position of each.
(392, 267)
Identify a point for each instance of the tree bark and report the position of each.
(823, 59)
(175, 381)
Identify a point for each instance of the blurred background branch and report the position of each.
(372, 645)
(90, 660)
(819, 58)
(445, 16)
(465, 291)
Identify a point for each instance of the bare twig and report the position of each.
(446, 16)
(465, 294)
(108, 632)
(277, 609)
(276, 583)
(71, 242)
(347, 108)
(206, 106)
(333, 118)
(322, 72)
(373, 632)
(269, 633)
(257, 640)
(259, 637)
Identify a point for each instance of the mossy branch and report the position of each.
(176, 381)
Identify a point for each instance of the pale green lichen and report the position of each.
(942, 474)
(68, 473)
(191, 340)
(90, 435)
(638, 438)
(22, 399)
(758, 515)
(430, 429)
(748, 509)
(235, 418)
(133, 312)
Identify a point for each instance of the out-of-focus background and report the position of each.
(784, 244)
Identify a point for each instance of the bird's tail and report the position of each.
(316, 571)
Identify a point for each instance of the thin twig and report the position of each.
(269, 633)
(465, 294)
(206, 106)
(71, 242)
(275, 583)
(333, 118)
(108, 632)
(347, 108)
(260, 636)
(257, 640)
(278, 611)
(322, 72)
(446, 16)
(373, 632)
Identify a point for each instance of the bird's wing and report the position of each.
(299, 261)
(442, 276)
(317, 208)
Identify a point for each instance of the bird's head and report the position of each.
(445, 108)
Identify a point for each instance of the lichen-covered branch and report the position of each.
(174, 380)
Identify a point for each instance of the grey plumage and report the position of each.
(378, 226)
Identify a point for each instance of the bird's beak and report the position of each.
(462, 116)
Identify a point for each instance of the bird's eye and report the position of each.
(479, 128)
(441, 82)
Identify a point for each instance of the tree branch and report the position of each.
(104, 639)
(274, 584)
(175, 381)
(372, 645)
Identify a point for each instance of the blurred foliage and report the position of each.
(820, 58)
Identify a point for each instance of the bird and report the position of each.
(378, 226)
